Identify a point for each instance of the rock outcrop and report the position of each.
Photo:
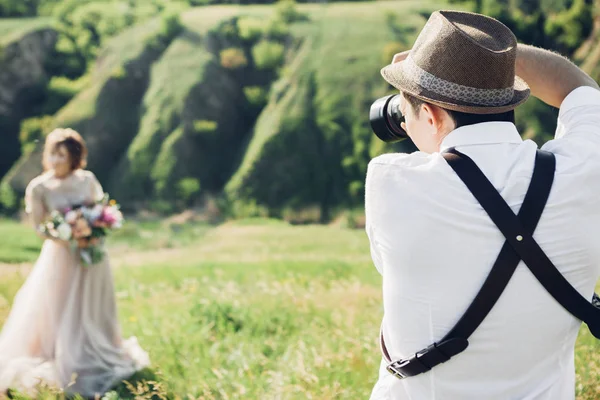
(23, 78)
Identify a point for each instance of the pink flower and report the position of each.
(71, 217)
(111, 216)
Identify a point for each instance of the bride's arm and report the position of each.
(36, 210)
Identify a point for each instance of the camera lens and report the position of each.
(394, 114)
(386, 119)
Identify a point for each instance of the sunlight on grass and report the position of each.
(262, 310)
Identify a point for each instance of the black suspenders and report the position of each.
(519, 245)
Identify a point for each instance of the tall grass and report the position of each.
(260, 309)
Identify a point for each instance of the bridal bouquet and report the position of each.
(85, 226)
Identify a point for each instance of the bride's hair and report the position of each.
(72, 141)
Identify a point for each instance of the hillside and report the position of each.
(25, 47)
(263, 107)
(243, 99)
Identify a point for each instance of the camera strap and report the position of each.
(519, 245)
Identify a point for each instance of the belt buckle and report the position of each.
(394, 368)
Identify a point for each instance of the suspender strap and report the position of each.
(523, 243)
(508, 259)
(506, 263)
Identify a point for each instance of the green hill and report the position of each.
(266, 101)
(262, 106)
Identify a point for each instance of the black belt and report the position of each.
(519, 245)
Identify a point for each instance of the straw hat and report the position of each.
(462, 62)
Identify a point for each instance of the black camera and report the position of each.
(385, 117)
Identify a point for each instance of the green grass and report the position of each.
(19, 244)
(325, 89)
(178, 70)
(259, 309)
(12, 29)
(125, 47)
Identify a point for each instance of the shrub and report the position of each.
(171, 25)
(35, 128)
(569, 28)
(60, 91)
(250, 29)
(67, 87)
(163, 207)
(8, 198)
(244, 209)
(205, 126)
(256, 96)
(228, 29)
(233, 58)
(119, 72)
(277, 29)
(287, 11)
(187, 189)
(268, 54)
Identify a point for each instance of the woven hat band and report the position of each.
(455, 91)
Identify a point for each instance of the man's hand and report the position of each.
(400, 56)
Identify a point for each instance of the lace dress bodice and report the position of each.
(47, 193)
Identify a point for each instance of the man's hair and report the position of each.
(464, 119)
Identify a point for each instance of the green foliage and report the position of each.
(233, 58)
(187, 189)
(61, 90)
(228, 30)
(288, 12)
(245, 208)
(9, 201)
(256, 96)
(171, 25)
(268, 55)
(277, 29)
(119, 72)
(86, 25)
(250, 28)
(205, 126)
(166, 163)
(311, 144)
(35, 128)
(560, 25)
(162, 207)
(570, 27)
(536, 120)
(18, 8)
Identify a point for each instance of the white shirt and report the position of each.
(434, 245)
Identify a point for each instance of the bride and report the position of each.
(63, 328)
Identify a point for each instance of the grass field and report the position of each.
(254, 309)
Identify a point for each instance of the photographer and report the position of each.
(435, 244)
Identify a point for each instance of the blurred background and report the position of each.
(220, 126)
(251, 110)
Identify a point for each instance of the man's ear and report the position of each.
(437, 118)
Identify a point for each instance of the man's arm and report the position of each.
(550, 76)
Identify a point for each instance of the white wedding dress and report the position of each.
(63, 326)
